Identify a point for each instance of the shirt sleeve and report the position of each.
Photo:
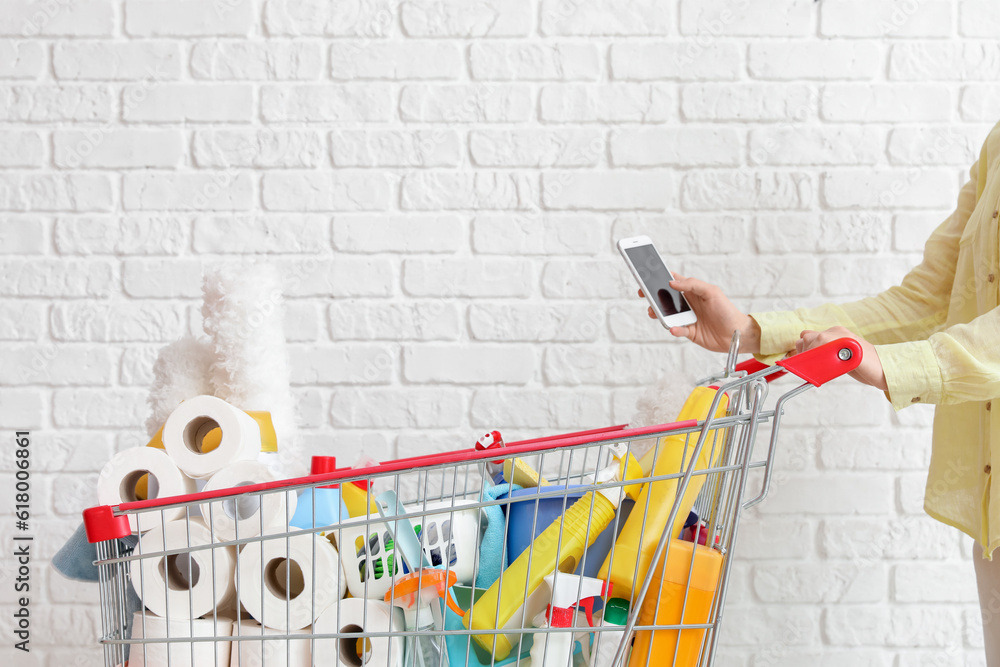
(956, 365)
(910, 311)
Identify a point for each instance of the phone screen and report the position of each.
(656, 279)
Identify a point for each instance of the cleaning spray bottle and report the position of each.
(554, 649)
(417, 595)
(558, 547)
(633, 552)
(492, 469)
(606, 643)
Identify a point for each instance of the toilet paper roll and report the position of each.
(357, 615)
(183, 585)
(283, 586)
(273, 510)
(187, 426)
(179, 654)
(143, 471)
(252, 651)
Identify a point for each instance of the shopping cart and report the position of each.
(412, 567)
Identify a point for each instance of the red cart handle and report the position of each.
(817, 366)
(751, 366)
(826, 362)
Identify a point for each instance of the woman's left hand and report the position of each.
(868, 372)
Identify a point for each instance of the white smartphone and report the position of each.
(670, 306)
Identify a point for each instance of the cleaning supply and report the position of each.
(493, 557)
(559, 547)
(517, 471)
(637, 541)
(532, 510)
(554, 649)
(493, 469)
(705, 568)
(417, 595)
(320, 506)
(606, 643)
(357, 497)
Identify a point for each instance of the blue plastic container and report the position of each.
(521, 514)
(329, 510)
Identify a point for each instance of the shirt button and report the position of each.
(989, 404)
(915, 399)
(995, 214)
(991, 277)
(987, 469)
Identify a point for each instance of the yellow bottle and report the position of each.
(358, 501)
(560, 546)
(636, 544)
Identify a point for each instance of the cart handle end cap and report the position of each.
(102, 525)
(826, 362)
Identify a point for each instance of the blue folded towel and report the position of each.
(492, 554)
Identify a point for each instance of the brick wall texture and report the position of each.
(443, 181)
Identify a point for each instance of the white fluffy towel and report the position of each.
(244, 315)
(660, 404)
(182, 370)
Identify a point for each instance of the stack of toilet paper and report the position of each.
(203, 570)
(206, 443)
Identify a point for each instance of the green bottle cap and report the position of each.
(616, 611)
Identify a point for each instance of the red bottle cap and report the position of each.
(324, 464)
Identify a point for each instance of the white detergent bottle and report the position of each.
(555, 649)
(606, 643)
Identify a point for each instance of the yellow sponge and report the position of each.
(517, 471)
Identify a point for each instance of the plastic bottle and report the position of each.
(636, 544)
(558, 547)
(417, 595)
(606, 643)
(324, 499)
(357, 497)
(555, 649)
(704, 579)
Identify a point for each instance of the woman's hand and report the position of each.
(868, 372)
(717, 316)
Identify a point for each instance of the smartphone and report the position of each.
(670, 306)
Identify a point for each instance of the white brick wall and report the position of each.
(442, 181)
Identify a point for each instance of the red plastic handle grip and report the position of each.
(752, 366)
(826, 362)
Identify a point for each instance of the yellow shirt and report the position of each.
(938, 337)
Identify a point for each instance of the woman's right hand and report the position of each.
(717, 316)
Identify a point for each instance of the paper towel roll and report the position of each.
(128, 470)
(279, 580)
(254, 652)
(357, 615)
(190, 583)
(179, 654)
(250, 511)
(188, 425)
